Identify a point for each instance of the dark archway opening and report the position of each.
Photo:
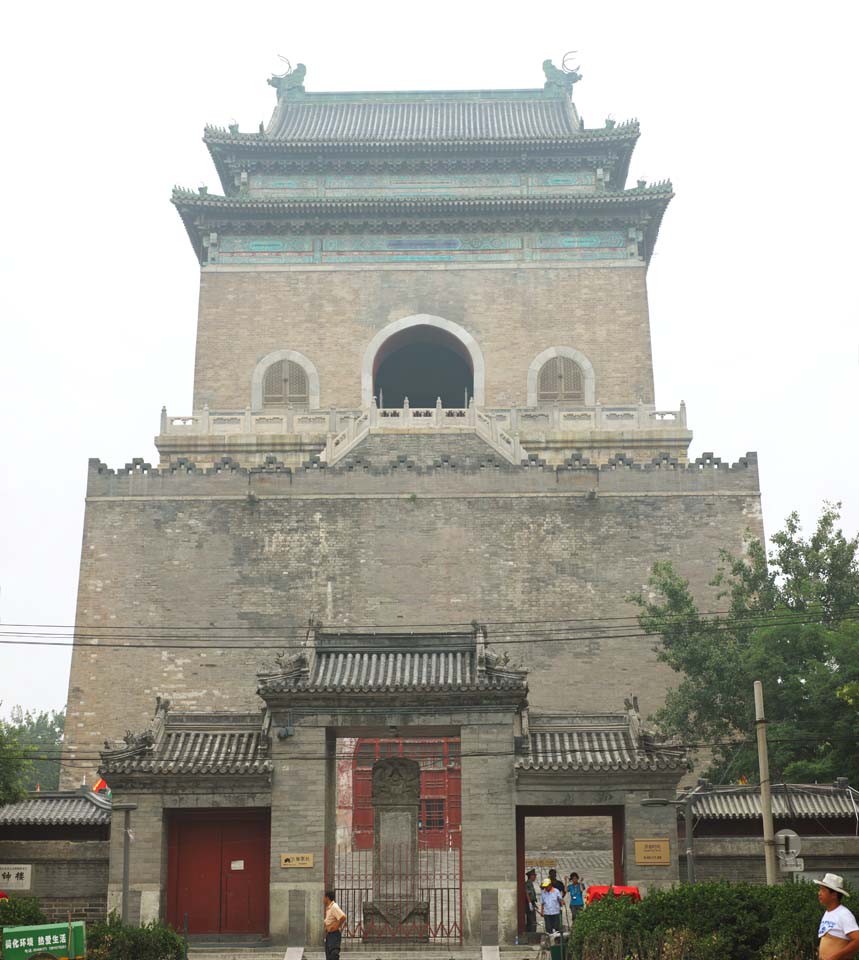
(423, 363)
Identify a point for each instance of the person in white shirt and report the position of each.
(550, 906)
(838, 931)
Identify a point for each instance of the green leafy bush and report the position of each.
(702, 921)
(20, 912)
(112, 940)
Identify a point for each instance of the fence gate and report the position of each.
(395, 894)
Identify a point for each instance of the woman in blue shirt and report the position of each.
(576, 889)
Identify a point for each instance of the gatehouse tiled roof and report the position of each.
(78, 808)
(380, 663)
(422, 118)
(789, 800)
(594, 742)
(196, 744)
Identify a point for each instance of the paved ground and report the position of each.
(593, 866)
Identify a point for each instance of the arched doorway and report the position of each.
(423, 363)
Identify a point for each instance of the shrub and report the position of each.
(113, 940)
(702, 921)
(20, 912)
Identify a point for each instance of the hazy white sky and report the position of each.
(748, 107)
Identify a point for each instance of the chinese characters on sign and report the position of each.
(655, 852)
(15, 876)
(296, 860)
(48, 940)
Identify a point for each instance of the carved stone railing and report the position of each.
(224, 422)
(509, 420)
(408, 419)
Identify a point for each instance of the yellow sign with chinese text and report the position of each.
(296, 860)
(653, 852)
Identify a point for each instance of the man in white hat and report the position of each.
(838, 932)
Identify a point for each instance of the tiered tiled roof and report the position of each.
(194, 744)
(78, 808)
(595, 742)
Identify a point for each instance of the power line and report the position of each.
(699, 745)
(267, 643)
(373, 626)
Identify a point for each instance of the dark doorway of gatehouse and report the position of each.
(218, 871)
(406, 888)
(584, 840)
(423, 363)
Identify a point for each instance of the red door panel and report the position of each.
(198, 872)
(244, 872)
(218, 872)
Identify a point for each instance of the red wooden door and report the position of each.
(218, 871)
(244, 877)
(198, 867)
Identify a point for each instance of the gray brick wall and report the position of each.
(406, 546)
(514, 314)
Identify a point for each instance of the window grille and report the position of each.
(561, 380)
(432, 814)
(285, 384)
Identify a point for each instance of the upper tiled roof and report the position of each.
(790, 800)
(595, 742)
(67, 808)
(190, 743)
(420, 119)
(374, 663)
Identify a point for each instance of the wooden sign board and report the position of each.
(653, 852)
(296, 860)
(542, 862)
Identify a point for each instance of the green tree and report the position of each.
(793, 624)
(43, 732)
(14, 767)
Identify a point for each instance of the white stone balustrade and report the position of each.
(508, 420)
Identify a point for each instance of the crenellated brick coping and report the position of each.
(664, 473)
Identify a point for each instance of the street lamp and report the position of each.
(686, 802)
(125, 808)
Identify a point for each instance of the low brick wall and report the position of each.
(69, 876)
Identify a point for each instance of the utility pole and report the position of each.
(766, 792)
(688, 817)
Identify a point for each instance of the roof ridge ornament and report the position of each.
(560, 80)
(289, 83)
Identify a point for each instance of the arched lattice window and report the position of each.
(285, 384)
(561, 380)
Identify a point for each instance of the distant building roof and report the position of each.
(595, 742)
(790, 800)
(61, 809)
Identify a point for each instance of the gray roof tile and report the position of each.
(423, 119)
(789, 800)
(599, 742)
(195, 744)
(71, 808)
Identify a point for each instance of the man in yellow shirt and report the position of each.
(335, 920)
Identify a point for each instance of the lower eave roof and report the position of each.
(599, 749)
(217, 138)
(62, 809)
(789, 801)
(657, 195)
